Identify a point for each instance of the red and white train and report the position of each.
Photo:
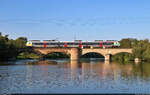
(76, 43)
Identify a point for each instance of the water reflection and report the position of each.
(74, 69)
(60, 76)
(29, 75)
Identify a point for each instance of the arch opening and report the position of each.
(56, 55)
(93, 56)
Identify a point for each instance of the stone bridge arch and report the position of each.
(96, 53)
(46, 51)
(99, 51)
(74, 52)
(114, 52)
(106, 52)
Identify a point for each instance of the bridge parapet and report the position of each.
(74, 52)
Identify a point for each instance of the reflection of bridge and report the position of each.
(76, 52)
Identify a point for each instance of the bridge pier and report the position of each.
(107, 57)
(137, 60)
(75, 53)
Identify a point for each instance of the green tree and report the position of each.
(9, 47)
(128, 42)
(125, 43)
(141, 49)
(20, 42)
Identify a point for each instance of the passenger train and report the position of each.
(76, 43)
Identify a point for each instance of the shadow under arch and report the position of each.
(91, 55)
(56, 55)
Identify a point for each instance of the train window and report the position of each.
(94, 43)
(61, 43)
(54, 43)
(76, 43)
(106, 43)
(33, 43)
(70, 43)
(37, 43)
(90, 43)
(48, 43)
(84, 43)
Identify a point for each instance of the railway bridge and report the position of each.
(75, 53)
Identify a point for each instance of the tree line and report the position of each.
(140, 49)
(9, 47)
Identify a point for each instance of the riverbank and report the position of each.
(26, 55)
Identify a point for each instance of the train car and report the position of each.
(73, 44)
(80, 44)
(29, 44)
(37, 44)
(33, 43)
(116, 44)
(90, 44)
(108, 44)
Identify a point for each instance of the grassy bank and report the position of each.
(26, 55)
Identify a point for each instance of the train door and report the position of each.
(101, 44)
(80, 45)
(45, 44)
(65, 45)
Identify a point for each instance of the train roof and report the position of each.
(75, 41)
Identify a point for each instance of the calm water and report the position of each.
(64, 76)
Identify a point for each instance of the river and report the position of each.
(65, 76)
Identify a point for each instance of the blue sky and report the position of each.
(80, 19)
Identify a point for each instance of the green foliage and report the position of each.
(20, 42)
(125, 43)
(27, 55)
(142, 50)
(9, 47)
(128, 42)
(57, 55)
(122, 57)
